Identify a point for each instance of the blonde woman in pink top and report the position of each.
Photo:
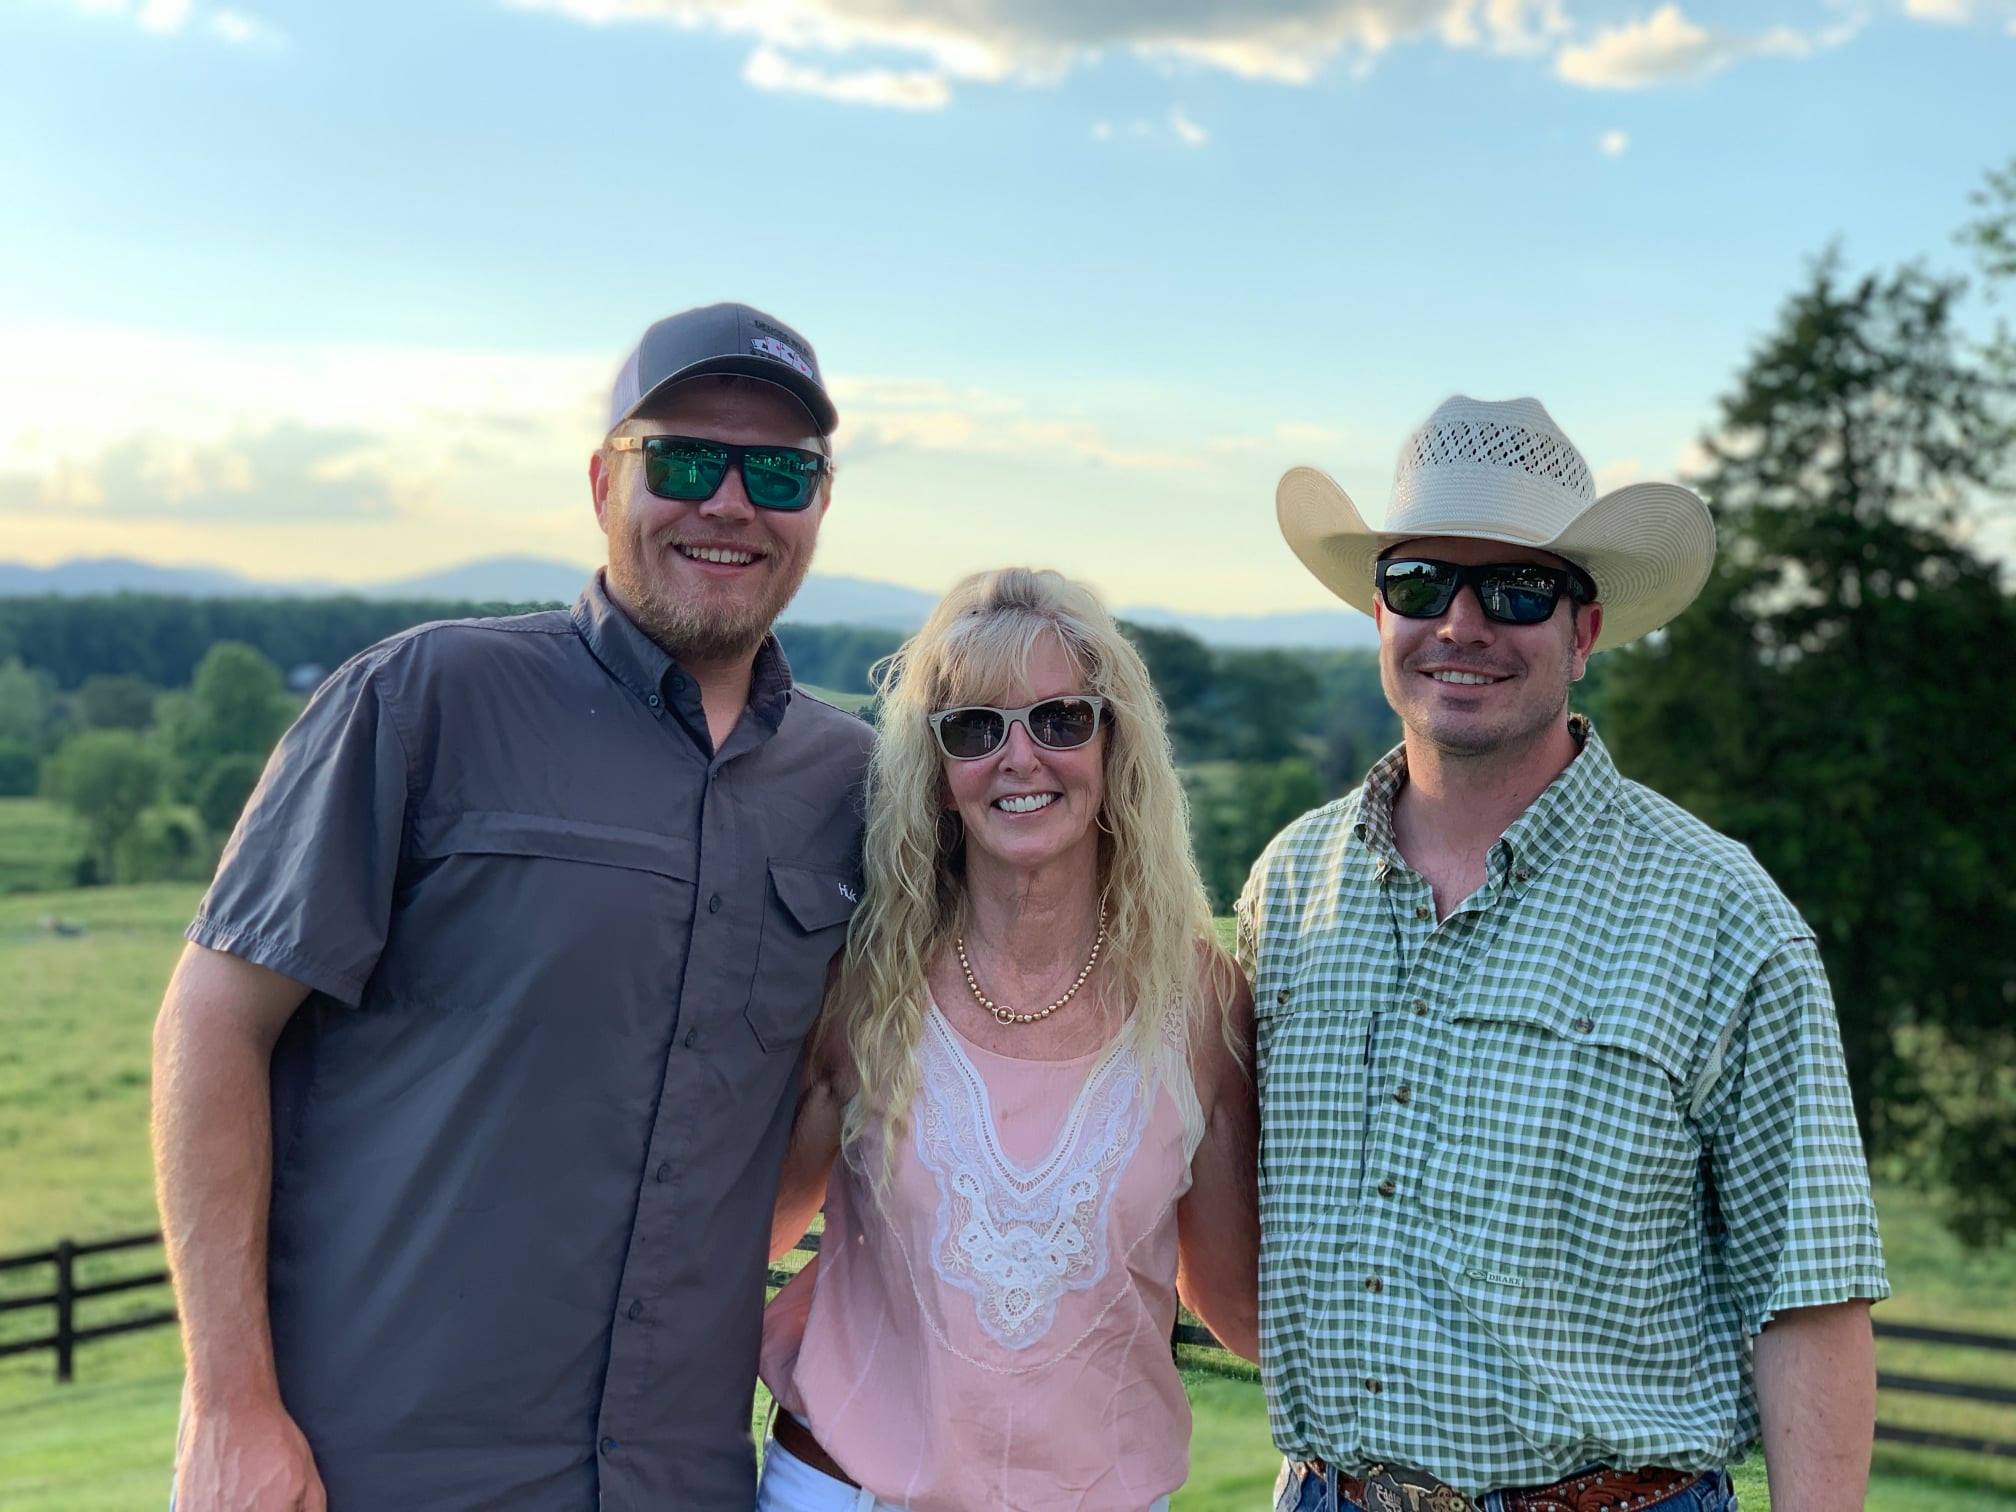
(1028, 1114)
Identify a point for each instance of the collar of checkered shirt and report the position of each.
(1534, 840)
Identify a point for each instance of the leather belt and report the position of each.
(796, 1438)
(1395, 1488)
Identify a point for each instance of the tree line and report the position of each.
(119, 705)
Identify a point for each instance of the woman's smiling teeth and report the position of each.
(719, 554)
(1024, 803)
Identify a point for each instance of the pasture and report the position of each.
(75, 1010)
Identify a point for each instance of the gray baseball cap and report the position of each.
(721, 338)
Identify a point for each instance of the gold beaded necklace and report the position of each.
(1009, 1015)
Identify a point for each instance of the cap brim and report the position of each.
(825, 418)
(1649, 546)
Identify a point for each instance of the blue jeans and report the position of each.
(1302, 1490)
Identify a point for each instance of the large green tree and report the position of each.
(1838, 700)
(108, 777)
(235, 706)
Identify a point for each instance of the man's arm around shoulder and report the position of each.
(213, 1042)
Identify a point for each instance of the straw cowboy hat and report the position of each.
(1505, 472)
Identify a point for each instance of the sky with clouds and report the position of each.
(337, 291)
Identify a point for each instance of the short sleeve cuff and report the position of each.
(1870, 1285)
(289, 960)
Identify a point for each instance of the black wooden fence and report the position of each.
(65, 1295)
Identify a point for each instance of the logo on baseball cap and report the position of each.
(717, 339)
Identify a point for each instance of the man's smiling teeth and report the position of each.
(718, 554)
(1025, 803)
(1468, 679)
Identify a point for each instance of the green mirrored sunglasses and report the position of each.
(692, 469)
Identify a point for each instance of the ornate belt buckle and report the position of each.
(1397, 1488)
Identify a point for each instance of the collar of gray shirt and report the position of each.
(648, 670)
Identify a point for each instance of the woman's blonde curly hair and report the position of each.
(976, 648)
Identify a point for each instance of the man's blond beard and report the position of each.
(685, 630)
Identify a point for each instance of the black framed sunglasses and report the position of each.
(972, 731)
(692, 469)
(1512, 593)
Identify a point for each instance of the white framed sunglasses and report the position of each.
(973, 731)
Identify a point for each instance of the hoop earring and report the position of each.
(1099, 819)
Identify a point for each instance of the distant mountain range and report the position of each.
(826, 599)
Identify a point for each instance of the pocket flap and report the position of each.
(1614, 1026)
(491, 832)
(814, 898)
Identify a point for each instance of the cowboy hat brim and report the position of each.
(1649, 546)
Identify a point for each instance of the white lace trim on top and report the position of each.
(1017, 1239)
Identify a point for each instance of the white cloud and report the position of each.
(176, 18)
(163, 15)
(109, 434)
(1176, 127)
(1665, 46)
(1614, 143)
(1187, 131)
(997, 41)
(921, 415)
(1964, 12)
(907, 89)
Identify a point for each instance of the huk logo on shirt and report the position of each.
(848, 893)
(784, 352)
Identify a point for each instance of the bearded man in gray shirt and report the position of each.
(472, 1084)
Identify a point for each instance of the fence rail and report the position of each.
(65, 1294)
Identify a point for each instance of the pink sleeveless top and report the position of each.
(993, 1329)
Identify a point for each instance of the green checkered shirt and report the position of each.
(1531, 1177)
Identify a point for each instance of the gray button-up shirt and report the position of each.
(527, 1126)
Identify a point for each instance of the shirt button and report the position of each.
(654, 700)
(1583, 1025)
(1281, 996)
(608, 1446)
(692, 1039)
(714, 903)
(678, 685)
(636, 1311)
(1373, 1284)
(1522, 875)
(1420, 1005)
(1388, 1187)
(664, 1171)
(1421, 910)
(1372, 1386)
(1403, 1094)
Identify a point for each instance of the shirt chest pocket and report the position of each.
(551, 912)
(1572, 1102)
(805, 919)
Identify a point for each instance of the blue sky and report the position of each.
(336, 290)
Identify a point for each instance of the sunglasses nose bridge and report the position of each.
(731, 498)
(1465, 618)
(1019, 744)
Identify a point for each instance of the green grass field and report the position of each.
(75, 1011)
(40, 845)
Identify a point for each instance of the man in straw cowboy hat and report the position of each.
(1563, 1200)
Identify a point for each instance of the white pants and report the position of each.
(791, 1485)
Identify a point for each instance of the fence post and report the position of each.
(66, 1308)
